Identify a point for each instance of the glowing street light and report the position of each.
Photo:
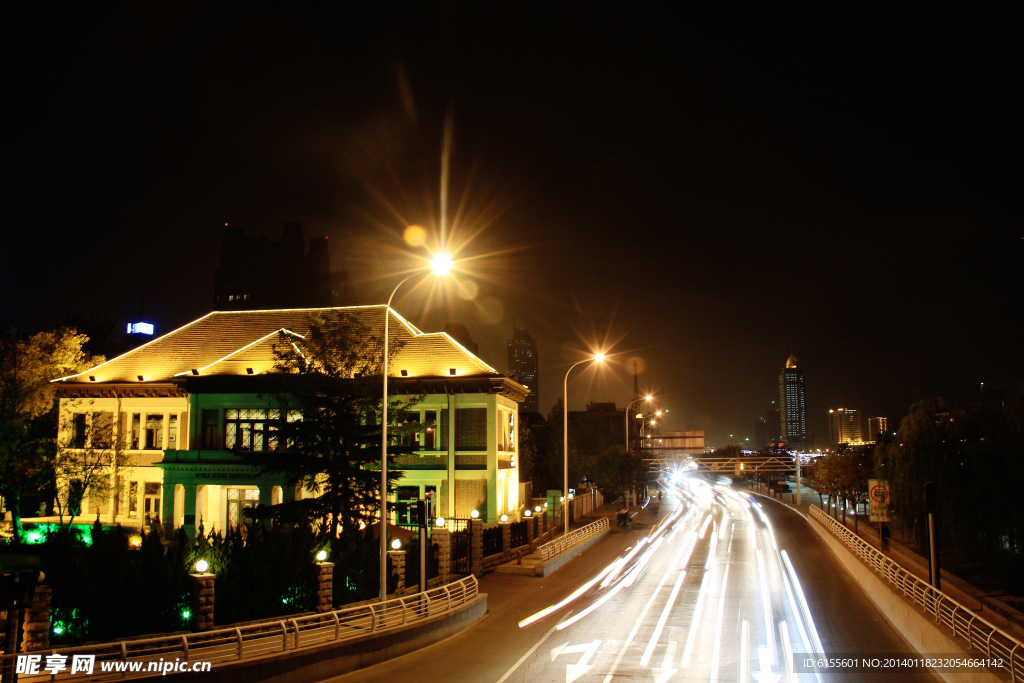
(441, 265)
(565, 414)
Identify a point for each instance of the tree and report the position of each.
(855, 468)
(28, 409)
(328, 387)
(90, 461)
(974, 453)
(617, 472)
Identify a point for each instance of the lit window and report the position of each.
(251, 430)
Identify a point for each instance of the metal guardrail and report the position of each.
(979, 633)
(574, 538)
(250, 641)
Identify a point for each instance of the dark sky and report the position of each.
(704, 193)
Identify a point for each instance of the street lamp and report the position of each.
(565, 414)
(441, 265)
(646, 398)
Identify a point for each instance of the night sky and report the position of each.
(704, 193)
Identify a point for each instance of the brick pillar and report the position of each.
(324, 586)
(531, 523)
(36, 620)
(506, 540)
(202, 602)
(476, 549)
(398, 568)
(443, 539)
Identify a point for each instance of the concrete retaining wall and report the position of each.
(920, 630)
(556, 562)
(335, 659)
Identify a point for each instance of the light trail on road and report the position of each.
(726, 609)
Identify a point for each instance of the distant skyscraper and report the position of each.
(844, 426)
(522, 360)
(876, 427)
(792, 402)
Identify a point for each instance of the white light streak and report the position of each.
(646, 658)
(704, 527)
(718, 629)
(813, 631)
(575, 594)
(695, 622)
(745, 651)
(766, 605)
(787, 648)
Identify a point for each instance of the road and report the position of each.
(729, 586)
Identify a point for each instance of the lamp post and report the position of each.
(441, 264)
(565, 414)
(647, 398)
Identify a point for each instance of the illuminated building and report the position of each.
(876, 427)
(844, 426)
(256, 273)
(523, 362)
(190, 402)
(792, 403)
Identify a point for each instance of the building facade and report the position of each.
(189, 404)
(792, 403)
(523, 362)
(876, 427)
(256, 273)
(844, 426)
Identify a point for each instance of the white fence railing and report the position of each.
(251, 641)
(573, 538)
(981, 635)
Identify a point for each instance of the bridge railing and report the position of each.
(978, 632)
(250, 641)
(573, 538)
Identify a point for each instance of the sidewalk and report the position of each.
(534, 564)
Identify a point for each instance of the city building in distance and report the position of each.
(844, 426)
(792, 403)
(258, 274)
(523, 363)
(876, 427)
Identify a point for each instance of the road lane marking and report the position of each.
(526, 656)
(574, 671)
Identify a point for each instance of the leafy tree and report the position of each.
(89, 460)
(855, 468)
(28, 409)
(974, 454)
(617, 472)
(329, 390)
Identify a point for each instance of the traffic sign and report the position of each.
(878, 497)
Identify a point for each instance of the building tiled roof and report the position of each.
(232, 342)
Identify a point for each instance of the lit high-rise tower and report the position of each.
(522, 360)
(792, 402)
